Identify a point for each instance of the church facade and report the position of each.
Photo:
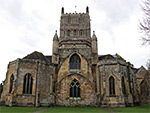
(75, 75)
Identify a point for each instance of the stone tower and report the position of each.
(75, 25)
(75, 34)
(75, 75)
(75, 40)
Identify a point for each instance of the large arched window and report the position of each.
(28, 82)
(75, 90)
(75, 62)
(123, 85)
(111, 86)
(11, 83)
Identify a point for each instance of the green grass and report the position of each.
(137, 109)
(4, 109)
(74, 110)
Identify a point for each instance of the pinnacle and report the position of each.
(94, 36)
(55, 36)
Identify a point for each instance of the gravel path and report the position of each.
(109, 111)
(40, 111)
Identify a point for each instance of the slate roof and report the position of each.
(38, 56)
(108, 56)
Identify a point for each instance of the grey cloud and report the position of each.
(13, 8)
(28, 25)
(117, 12)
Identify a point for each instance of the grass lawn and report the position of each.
(137, 109)
(74, 110)
(4, 109)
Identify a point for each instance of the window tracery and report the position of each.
(75, 62)
(28, 82)
(75, 90)
(112, 86)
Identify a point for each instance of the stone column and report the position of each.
(15, 81)
(37, 88)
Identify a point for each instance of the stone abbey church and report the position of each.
(75, 74)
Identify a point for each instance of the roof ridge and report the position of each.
(35, 55)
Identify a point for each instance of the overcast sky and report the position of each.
(29, 25)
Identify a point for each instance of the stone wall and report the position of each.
(66, 48)
(87, 89)
(143, 87)
(84, 77)
(41, 73)
(45, 86)
(117, 70)
(6, 98)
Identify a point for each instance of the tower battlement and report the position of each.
(87, 11)
(75, 25)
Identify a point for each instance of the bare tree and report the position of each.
(145, 26)
(148, 65)
(145, 23)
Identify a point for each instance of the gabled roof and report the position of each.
(108, 56)
(35, 55)
(141, 73)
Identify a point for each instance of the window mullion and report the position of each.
(73, 92)
(29, 84)
(76, 91)
(26, 77)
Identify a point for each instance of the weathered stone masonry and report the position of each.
(75, 75)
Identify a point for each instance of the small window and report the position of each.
(75, 90)
(75, 62)
(11, 83)
(28, 82)
(75, 32)
(112, 86)
(80, 20)
(81, 32)
(69, 20)
(68, 33)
